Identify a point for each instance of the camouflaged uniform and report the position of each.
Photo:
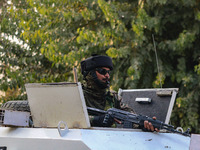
(97, 97)
(96, 92)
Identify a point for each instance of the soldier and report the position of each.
(96, 74)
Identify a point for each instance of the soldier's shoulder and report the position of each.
(113, 92)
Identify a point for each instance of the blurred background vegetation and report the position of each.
(42, 40)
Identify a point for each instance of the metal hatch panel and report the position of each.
(51, 103)
(153, 102)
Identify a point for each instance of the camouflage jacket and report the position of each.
(101, 98)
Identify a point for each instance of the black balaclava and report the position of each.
(90, 64)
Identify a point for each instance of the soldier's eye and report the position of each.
(103, 71)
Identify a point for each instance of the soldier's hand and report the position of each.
(149, 126)
(108, 120)
(103, 121)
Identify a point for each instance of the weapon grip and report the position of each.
(128, 124)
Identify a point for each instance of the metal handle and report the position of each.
(64, 131)
(143, 100)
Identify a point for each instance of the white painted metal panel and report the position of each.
(54, 102)
(16, 118)
(94, 139)
(40, 139)
(195, 142)
(130, 140)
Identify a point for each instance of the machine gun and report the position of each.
(127, 119)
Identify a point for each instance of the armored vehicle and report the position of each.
(55, 116)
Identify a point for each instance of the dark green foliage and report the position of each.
(56, 35)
